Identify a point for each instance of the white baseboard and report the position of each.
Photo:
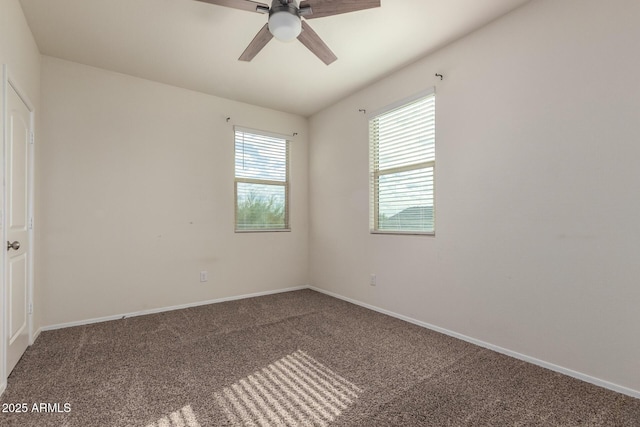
(163, 309)
(36, 335)
(520, 356)
(3, 387)
(560, 369)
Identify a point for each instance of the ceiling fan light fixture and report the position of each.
(284, 25)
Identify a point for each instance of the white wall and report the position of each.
(537, 241)
(137, 191)
(20, 53)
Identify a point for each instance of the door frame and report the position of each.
(9, 82)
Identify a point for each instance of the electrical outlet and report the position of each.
(373, 280)
(204, 276)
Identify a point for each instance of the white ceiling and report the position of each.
(195, 45)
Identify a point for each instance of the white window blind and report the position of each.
(261, 181)
(402, 164)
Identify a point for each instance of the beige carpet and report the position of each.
(297, 358)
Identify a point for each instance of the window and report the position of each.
(261, 181)
(402, 164)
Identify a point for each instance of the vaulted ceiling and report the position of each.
(196, 45)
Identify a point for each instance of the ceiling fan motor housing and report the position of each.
(284, 20)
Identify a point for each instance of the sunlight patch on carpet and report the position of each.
(295, 390)
(183, 417)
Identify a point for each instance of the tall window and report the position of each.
(261, 181)
(402, 163)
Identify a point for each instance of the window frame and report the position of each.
(285, 184)
(375, 173)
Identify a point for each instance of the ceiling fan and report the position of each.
(285, 22)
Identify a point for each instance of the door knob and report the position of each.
(15, 245)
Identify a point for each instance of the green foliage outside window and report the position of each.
(257, 211)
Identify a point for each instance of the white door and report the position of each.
(18, 128)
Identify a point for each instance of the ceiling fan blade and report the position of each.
(248, 5)
(259, 41)
(320, 8)
(314, 43)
